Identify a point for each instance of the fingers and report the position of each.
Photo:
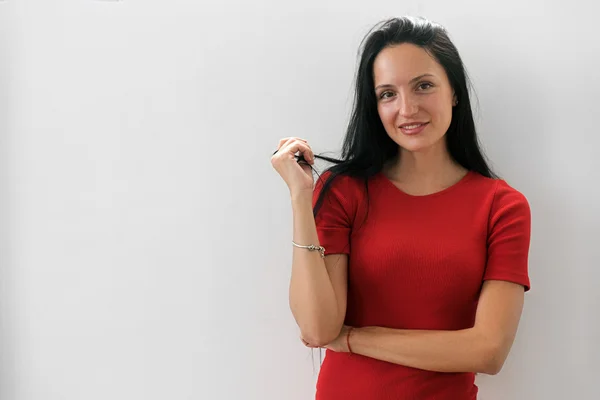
(297, 146)
(294, 145)
(290, 141)
(282, 141)
(285, 141)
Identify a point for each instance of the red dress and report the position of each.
(417, 262)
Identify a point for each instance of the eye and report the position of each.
(383, 95)
(425, 85)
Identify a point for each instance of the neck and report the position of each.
(430, 167)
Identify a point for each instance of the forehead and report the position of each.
(400, 63)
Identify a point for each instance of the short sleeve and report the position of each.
(335, 216)
(508, 237)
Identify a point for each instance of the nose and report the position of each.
(407, 106)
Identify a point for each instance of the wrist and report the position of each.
(301, 197)
(348, 343)
(361, 337)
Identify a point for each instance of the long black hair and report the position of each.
(367, 147)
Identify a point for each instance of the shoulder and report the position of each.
(496, 199)
(499, 191)
(507, 198)
(342, 185)
(344, 192)
(508, 207)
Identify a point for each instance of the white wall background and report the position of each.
(145, 239)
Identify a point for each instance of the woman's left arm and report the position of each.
(482, 348)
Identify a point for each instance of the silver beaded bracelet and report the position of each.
(312, 247)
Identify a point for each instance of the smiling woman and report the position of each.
(423, 250)
(424, 103)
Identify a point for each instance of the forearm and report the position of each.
(443, 351)
(312, 297)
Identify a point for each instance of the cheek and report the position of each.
(387, 115)
(446, 113)
(440, 111)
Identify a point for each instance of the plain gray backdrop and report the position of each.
(146, 239)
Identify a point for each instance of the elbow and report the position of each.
(321, 337)
(492, 368)
(321, 341)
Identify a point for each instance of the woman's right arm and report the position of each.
(318, 286)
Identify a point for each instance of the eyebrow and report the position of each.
(411, 81)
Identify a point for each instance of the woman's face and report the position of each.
(412, 88)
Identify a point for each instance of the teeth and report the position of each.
(411, 126)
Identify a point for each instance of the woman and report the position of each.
(410, 256)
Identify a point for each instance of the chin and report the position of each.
(419, 144)
(416, 149)
(414, 144)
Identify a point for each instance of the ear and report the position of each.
(454, 100)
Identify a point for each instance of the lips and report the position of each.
(412, 125)
(414, 128)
